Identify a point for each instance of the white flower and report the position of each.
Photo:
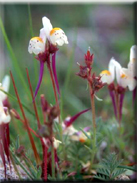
(5, 87)
(36, 46)
(129, 72)
(132, 63)
(56, 143)
(55, 36)
(80, 136)
(4, 115)
(124, 76)
(108, 76)
(69, 130)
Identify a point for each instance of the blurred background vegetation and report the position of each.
(107, 28)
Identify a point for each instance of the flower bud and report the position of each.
(96, 83)
(89, 58)
(43, 131)
(54, 112)
(15, 114)
(44, 103)
(84, 71)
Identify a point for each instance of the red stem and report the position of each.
(54, 88)
(44, 164)
(34, 103)
(53, 83)
(26, 123)
(30, 129)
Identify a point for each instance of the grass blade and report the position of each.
(13, 58)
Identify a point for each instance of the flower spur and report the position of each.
(46, 45)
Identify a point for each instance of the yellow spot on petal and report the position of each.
(123, 76)
(105, 72)
(54, 30)
(38, 39)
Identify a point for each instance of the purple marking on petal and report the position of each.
(134, 95)
(121, 105)
(113, 101)
(40, 78)
(73, 118)
(54, 72)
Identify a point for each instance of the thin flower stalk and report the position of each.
(44, 147)
(94, 127)
(53, 82)
(95, 84)
(26, 123)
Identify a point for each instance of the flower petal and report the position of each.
(36, 46)
(47, 26)
(56, 143)
(43, 35)
(111, 67)
(106, 77)
(132, 83)
(6, 83)
(133, 53)
(73, 118)
(57, 36)
(4, 117)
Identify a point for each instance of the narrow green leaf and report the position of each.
(128, 167)
(85, 133)
(26, 171)
(13, 98)
(90, 150)
(31, 34)
(17, 144)
(70, 63)
(13, 58)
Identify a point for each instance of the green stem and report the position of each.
(94, 127)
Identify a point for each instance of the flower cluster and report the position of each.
(46, 45)
(47, 41)
(126, 77)
(94, 81)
